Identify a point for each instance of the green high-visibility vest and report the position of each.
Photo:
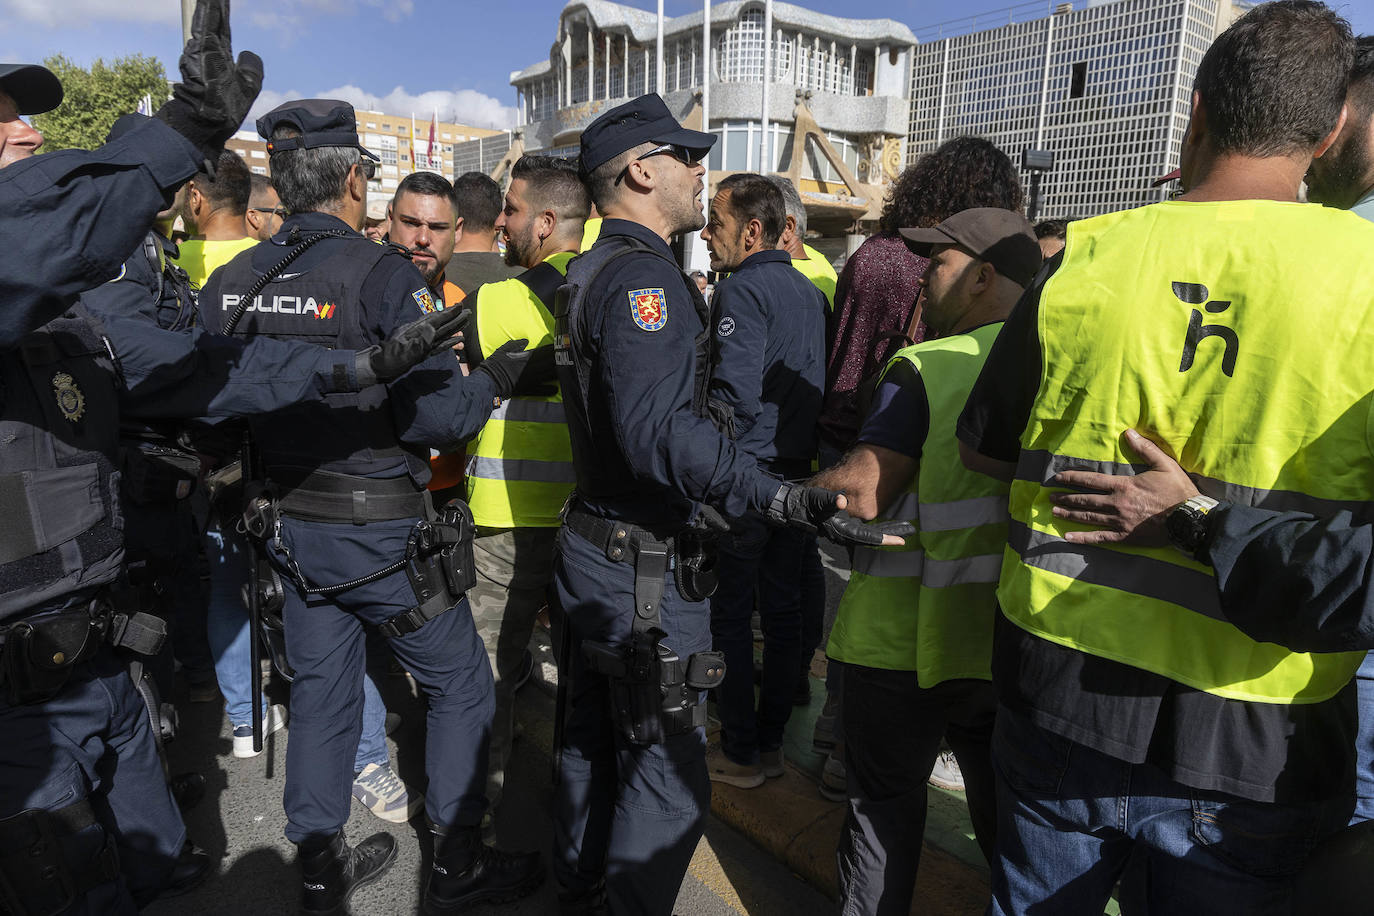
(928, 605)
(519, 469)
(1238, 336)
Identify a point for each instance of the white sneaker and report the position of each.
(273, 720)
(946, 773)
(834, 784)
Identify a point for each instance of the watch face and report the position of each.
(1184, 525)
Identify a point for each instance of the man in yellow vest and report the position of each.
(1136, 722)
(914, 627)
(520, 470)
(264, 215)
(812, 264)
(213, 210)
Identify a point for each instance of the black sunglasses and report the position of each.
(679, 152)
(369, 168)
(276, 211)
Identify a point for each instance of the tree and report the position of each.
(96, 98)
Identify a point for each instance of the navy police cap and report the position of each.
(34, 89)
(642, 120)
(322, 122)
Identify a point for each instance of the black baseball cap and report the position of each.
(1003, 238)
(322, 122)
(34, 89)
(642, 120)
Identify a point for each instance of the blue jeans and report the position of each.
(757, 561)
(628, 814)
(1069, 819)
(1364, 742)
(325, 645)
(227, 629)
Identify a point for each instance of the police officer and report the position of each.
(520, 469)
(351, 528)
(87, 824)
(634, 369)
(770, 337)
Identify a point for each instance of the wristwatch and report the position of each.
(1186, 523)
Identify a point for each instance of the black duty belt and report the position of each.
(620, 540)
(324, 496)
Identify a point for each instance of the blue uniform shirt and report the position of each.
(433, 405)
(770, 338)
(651, 455)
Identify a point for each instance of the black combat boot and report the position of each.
(333, 871)
(467, 871)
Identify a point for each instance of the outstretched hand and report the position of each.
(1125, 509)
(822, 510)
(215, 92)
(409, 346)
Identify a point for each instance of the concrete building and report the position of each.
(1106, 87)
(402, 144)
(837, 113)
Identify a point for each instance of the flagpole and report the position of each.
(412, 143)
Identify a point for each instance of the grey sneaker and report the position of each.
(834, 784)
(946, 774)
(384, 794)
(723, 769)
(771, 763)
(824, 738)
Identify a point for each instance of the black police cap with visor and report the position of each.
(34, 89)
(642, 120)
(321, 122)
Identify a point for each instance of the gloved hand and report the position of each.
(818, 509)
(516, 370)
(409, 346)
(215, 93)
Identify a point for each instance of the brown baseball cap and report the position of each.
(1003, 238)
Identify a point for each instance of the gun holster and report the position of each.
(441, 568)
(272, 629)
(38, 656)
(35, 877)
(694, 564)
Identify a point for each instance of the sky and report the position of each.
(400, 56)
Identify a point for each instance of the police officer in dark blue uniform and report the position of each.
(654, 475)
(87, 824)
(350, 525)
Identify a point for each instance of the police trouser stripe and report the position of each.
(1038, 466)
(526, 469)
(913, 564)
(954, 515)
(520, 410)
(1138, 575)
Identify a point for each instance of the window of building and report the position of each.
(258, 154)
(371, 125)
(740, 49)
(1078, 79)
(259, 170)
(384, 126)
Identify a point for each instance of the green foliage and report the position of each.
(97, 97)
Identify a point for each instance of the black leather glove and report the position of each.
(814, 509)
(409, 346)
(516, 370)
(215, 93)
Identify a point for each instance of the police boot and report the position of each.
(467, 871)
(333, 871)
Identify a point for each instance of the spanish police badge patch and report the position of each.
(424, 300)
(649, 307)
(70, 401)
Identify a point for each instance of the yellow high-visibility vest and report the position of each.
(928, 606)
(817, 269)
(1237, 335)
(519, 468)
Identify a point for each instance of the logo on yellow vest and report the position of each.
(1196, 294)
(70, 400)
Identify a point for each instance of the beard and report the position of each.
(1341, 176)
(520, 249)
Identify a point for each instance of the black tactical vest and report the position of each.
(345, 433)
(62, 531)
(576, 363)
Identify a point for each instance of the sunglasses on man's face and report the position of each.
(677, 151)
(368, 167)
(275, 211)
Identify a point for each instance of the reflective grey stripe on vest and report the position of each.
(526, 469)
(1040, 466)
(1138, 575)
(896, 564)
(523, 411)
(949, 516)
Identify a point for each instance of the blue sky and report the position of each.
(401, 55)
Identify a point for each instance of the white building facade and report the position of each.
(1106, 88)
